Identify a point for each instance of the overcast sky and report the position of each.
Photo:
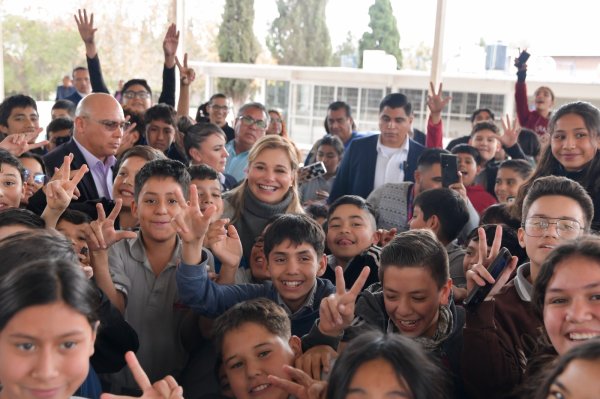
(546, 27)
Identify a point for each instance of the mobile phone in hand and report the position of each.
(478, 294)
(312, 171)
(522, 59)
(449, 169)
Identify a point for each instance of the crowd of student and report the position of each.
(230, 271)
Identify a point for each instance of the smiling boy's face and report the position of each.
(350, 231)
(412, 299)
(250, 354)
(294, 270)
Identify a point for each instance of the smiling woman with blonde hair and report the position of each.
(269, 189)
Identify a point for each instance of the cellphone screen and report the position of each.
(449, 169)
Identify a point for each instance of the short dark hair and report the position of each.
(519, 166)
(396, 100)
(161, 112)
(21, 217)
(298, 229)
(216, 95)
(163, 168)
(261, 311)
(430, 157)
(448, 206)
(416, 248)
(334, 142)
(78, 68)
(316, 211)
(65, 104)
(529, 142)
(74, 217)
(499, 213)
(9, 159)
(563, 186)
(355, 200)
(131, 82)
(35, 157)
(479, 111)
(44, 282)
(423, 377)
(585, 247)
(60, 124)
(203, 172)
(484, 125)
(198, 133)
(336, 105)
(467, 149)
(16, 101)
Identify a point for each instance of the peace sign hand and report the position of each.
(167, 388)
(337, 310)
(17, 144)
(478, 273)
(186, 75)
(435, 101)
(101, 233)
(63, 187)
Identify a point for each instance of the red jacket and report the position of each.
(480, 198)
(529, 119)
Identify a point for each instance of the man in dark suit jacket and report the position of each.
(365, 164)
(99, 124)
(81, 82)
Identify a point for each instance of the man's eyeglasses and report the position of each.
(38, 178)
(142, 95)
(249, 121)
(112, 125)
(220, 107)
(566, 228)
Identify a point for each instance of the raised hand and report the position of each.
(436, 102)
(102, 233)
(17, 144)
(224, 242)
(478, 274)
(170, 44)
(186, 75)
(299, 384)
(510, 136)
(85, 26)
(337, 310)
(130, 137)
(460, 188)
(167, 388)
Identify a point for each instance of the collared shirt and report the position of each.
(101, 171)
(236, 163)
(391, 163)
(152, 309)
(308, 304)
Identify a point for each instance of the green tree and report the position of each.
(346, 49)
(36, 56)
(237, 43)
(384, 33)
(299, 35)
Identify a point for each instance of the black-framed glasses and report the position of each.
(220, 107)
(142, 94)
(112, 125)
(249, 121)
(38, 178)
(565, 228)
